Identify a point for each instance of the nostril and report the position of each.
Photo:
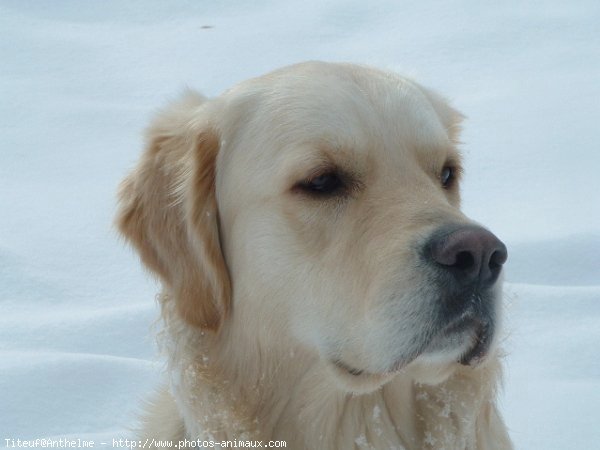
(495, 261)
(499, 256)
(464, 261)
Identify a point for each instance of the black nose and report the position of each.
(472, 254)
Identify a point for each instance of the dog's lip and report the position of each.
(473, 355)
(460, 324)
(397, 367)
(478, 351)
(477, 331)
(351, 370)
(482, 330)
(363, 374)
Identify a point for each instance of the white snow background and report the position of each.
(80, 80)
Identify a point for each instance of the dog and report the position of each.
(321, 285)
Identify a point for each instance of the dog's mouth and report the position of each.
(351, 370)
(482, 337)
(476, 333)
(469, 336)
(357, 373)
(358, 381)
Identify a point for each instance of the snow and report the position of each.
(79, 81)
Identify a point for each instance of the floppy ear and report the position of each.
(168, 211)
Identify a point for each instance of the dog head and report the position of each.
(321, 202)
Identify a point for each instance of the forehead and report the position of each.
(334, 106)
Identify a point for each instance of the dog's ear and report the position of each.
(168, 211)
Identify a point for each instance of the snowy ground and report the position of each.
(79, 80)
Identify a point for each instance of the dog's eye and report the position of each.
(447, 177)
(324, 184)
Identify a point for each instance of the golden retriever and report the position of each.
(320, 284)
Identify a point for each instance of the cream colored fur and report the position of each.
(267, 290)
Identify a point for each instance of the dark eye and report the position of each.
(447, 177)
(325, 184)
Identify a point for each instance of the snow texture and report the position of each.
(80, 80)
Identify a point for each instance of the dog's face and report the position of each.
(337, 193)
